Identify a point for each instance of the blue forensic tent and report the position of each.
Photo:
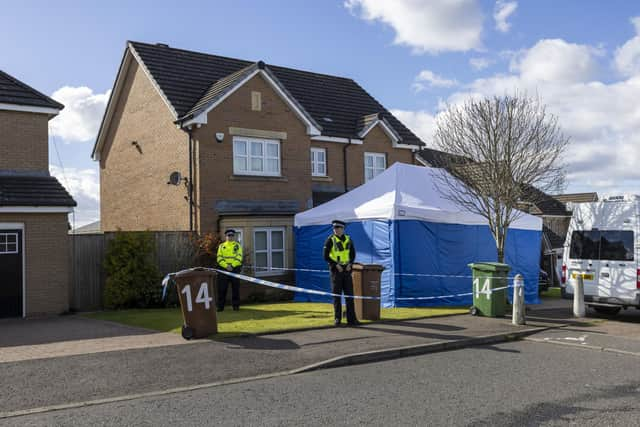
(423, 240)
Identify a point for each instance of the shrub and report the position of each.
(207, 250)
(132, 274)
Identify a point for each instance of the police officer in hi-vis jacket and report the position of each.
(340, 253)
(229, 258)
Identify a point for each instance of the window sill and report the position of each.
(258, 178)
(273, 273)
(321, 178)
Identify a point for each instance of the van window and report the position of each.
(616, 245)
(585, 244)
(611, 245)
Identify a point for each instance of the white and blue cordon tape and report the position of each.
(168, 277)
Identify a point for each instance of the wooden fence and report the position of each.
(174, 251)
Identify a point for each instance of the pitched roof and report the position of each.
(190, 79)
(544, 204)
(535, 202)
(33, 190)
(13, 91)
(440, 159)
(577, 197)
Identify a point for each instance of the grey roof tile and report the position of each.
(13, 91)
(33, 190)
(187, 78)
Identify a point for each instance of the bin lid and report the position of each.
(359, 266)
(489, 266)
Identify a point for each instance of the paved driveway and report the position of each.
(73, 335)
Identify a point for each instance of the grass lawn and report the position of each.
(551, 293)
(260, 318)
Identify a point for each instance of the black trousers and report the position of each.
(223, 284)
(341, 282)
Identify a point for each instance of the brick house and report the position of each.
(247, 145)
(34, 244)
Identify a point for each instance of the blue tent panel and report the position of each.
(420, 259)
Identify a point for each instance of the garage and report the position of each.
(11, 273)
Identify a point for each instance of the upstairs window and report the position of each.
(318, 162)
(253, 156)
(374, 165)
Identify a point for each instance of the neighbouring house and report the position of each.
(198, 142)
(34, 207)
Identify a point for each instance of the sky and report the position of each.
(581, 58)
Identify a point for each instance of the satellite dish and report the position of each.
(175, 178)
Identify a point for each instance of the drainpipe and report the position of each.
(189, 133)
(344, 157)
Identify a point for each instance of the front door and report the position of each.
(11, 273)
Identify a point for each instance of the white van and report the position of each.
(603, 245)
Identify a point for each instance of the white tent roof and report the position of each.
(401, 192)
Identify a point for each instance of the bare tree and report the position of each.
(505, 154)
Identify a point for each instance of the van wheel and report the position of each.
(473, 311)
(605, 309)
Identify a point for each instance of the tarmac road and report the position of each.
(519, 383)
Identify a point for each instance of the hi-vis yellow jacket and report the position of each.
(229, 253)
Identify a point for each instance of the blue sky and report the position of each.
(582, 58)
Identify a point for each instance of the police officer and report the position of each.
(230, 259)
(340, 253)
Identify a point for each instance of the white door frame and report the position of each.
(20, 226)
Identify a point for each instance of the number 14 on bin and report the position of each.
(202, 297)
(486, 288)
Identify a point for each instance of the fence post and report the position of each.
(518, 301)
(578, 297)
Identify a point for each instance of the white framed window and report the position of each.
(318, 162)
(374, 164)
(8, 243)
(269, 250)
(254, 156)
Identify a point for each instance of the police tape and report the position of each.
(310, 270)
(168, 277)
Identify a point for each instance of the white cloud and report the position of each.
(601, 119)
(428, 78)
(479, 64)
(501, 13)
(555, 60)
(421, 123)
(627, 56)
(83, 185)
(80, 119)
(426, 25)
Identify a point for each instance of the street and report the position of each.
(518, 383)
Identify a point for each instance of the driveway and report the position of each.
(27, 339)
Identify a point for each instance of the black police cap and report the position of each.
(229, 231)
(337, 223)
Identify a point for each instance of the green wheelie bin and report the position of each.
(486, 277)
